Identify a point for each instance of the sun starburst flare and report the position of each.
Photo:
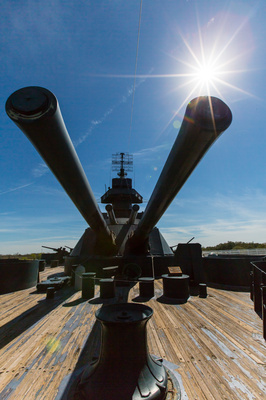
(211, 61)
(207, 61)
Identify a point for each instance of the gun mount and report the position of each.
(122, 235)
(60, 254)
(54, 249)
(70, 248)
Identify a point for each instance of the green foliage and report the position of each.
(31, 256)
(236, 246)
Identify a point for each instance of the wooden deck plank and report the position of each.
(196, 358)
(215, 343)
(202, 330)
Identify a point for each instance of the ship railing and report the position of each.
(258, 290)
(244, 252)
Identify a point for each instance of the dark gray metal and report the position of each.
(18, 274)
(257, 290)
(252, 281)
(205, 119)
(50, 292)
(203, 290)
(228, 272)
(263, 296)
(125, 369)
(54, 263)
(57, 282)
(36, 112)
(134, 213)
(107, 288)
(73, 274)
(42, 265)
(131, 271)
(146, 287)
(111, 214)
(176, 287)
(88, 285)
(53, 248)
(109, 272)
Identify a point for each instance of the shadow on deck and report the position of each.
(24, 321)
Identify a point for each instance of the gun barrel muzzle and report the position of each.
(36, 112)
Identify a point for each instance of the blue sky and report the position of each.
(85, 53)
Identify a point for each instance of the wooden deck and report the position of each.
(215, 345)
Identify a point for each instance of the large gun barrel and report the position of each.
(36, 112)
(52, 248)
(205, 119)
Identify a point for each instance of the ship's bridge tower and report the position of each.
(121, 196)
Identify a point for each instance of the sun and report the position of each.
(206, 74)
(209, 68)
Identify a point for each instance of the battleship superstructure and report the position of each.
(210, 345)
(122, 217)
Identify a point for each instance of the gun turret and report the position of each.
(205, 119)
(53, 248)
(70, 248)
(36, 112)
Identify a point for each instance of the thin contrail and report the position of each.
(110, 110)
(16, 188)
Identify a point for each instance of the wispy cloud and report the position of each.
(24, 246)
(218, 231)
(149, 152)
(210, 22)
(109, 111)
(151, 159)
(217, 219)
(8, 213)
(26, 233)
(40, 170)
(93, 125)
(37, 172)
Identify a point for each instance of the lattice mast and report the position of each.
(123, 163)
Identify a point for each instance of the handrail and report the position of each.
(258, 290)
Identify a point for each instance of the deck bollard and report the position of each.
(42, 265)
(88, 285)
(108, 272)
(176, 287)
(107, 288)
(146, 287)
(50, 292)
(125, 369)
(73, 274)
(202, 290)
(54, 263)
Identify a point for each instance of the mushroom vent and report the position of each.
(125, 370)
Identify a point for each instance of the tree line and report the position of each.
(236, 246)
